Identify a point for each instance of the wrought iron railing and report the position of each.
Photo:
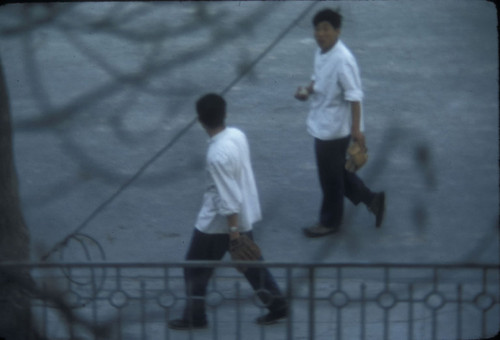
(327, 301)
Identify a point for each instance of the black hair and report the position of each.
(211, 109)
(331, 16)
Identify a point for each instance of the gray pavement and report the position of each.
(421, 94)
(430, 74)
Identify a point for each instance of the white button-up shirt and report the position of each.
(231, 185)
(336, 83)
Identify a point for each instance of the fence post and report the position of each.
(363, 312)
(289, 297)
(312, 318)
(238, 312)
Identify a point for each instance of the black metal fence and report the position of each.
(327, 301)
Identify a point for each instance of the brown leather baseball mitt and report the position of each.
(244, 249)
(356, 157)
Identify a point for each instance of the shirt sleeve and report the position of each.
(222, 170)
(350, 81)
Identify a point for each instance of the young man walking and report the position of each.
(335, 118)
(230, 208)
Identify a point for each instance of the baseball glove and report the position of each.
(244, 249)
(356, 157)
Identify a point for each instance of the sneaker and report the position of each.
(319, 230)
(182, 324)
(272, 317)
(377, 207)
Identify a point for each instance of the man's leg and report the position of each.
(202, 247)
(357, 192)
(268, 292)
(330, 159)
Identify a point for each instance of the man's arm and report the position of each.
(356, 133)
(229, 194)
(232, 224)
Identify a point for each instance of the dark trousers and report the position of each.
(213, 247)
(336, 182)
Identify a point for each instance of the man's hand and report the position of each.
(359, 137)
(232, 224)
(234, 235)
(302, 94)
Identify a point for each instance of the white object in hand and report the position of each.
(303, 92)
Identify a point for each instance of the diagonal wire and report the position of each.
(176, 138)
(122, 188)
(246, 70)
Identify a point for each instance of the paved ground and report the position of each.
(430, 74)
(423, 97)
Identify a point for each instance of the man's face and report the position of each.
(326, 36)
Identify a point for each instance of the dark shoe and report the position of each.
(272, 317)
(183, 325)
(319, 230)
(377, 207)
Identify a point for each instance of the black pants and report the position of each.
(336, 182)
(213, 247)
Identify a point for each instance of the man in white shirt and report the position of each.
(230, 207)
(335, 117)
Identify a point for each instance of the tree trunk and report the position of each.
(14, 236)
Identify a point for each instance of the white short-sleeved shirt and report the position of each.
(231, 184)
(336, 83)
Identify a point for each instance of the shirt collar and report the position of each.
(332, 50)
(217, 136)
